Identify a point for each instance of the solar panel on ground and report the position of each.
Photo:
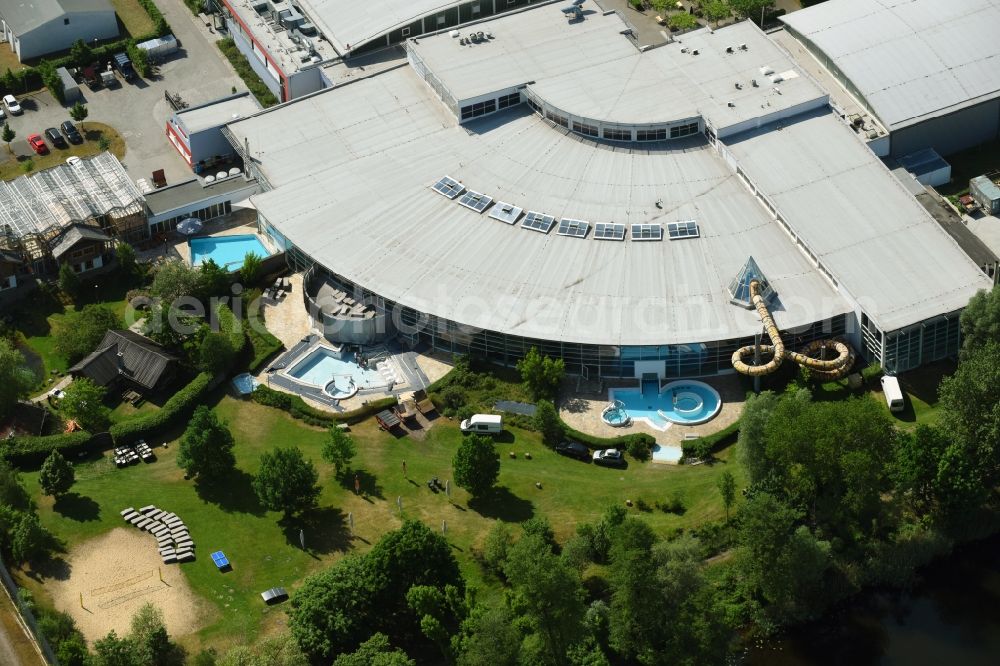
(646, 232)
(476, 201)
(608, 231)
(448, 187)
(505, 212)
(683, 229)
(574, 228)
(538, 222)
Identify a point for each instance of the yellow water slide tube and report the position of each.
(826, 369)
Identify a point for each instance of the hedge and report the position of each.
(33, 450)
(264, 345)
(179, 403)
(245, 72)
(299, 409)
(709, 444)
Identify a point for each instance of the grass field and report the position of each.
(266, 552)
(133, 17)
(11, 166)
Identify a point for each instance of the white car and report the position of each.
(58, 394)
(10, 102)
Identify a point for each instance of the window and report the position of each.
(683, 130)
(441, 19)
(617, 134)
(683, 229)
(557, 119)
(475, 8)
(65, 21)
(534, 106)
(647, 232)
(479, 109)
(512, 99)
(651, 134)
(406, 32)
(583, 128)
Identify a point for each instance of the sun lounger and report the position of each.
(186, 543)
(167, 550)
(186, 557)
(129, 516)
(136, 518)
(169, 559)
(147, 509)
(127, 511)
(143, 523)
(158, 530)
(274, 595)
(158, 514)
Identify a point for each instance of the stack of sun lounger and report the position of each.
(174, 542)
(146, 453)
(125, 455)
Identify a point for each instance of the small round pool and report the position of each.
(341, 388)
(615, 415)
(688, 402)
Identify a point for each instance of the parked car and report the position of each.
(574, 450)
(486, 424)
(53, 135)
(609, 458)
(70, 132)
(12, 106)
(37, 144)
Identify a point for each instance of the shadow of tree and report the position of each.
(50, 568)
(503, 505)
(325, 530)
(77, 507)
(575, 405)
(233, 493)
(368, 481)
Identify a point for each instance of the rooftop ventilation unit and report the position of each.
(777, 78)
(743, 47)
(730, 49)
(766, 70)
(694, 52)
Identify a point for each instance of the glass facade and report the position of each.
(926, 342)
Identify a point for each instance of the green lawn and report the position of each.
(920, 389)
(266, 553)
(12, 166)
(133, 17)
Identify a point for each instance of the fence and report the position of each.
(27, 616)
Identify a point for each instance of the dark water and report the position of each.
(951, 616)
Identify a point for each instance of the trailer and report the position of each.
(159, 48)
(123, 65)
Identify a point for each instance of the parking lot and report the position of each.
(138, 110)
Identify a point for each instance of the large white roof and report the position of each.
(353, 169)
(871, 234)
(910, 59)
(354, 22)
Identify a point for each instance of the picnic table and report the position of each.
(220, 559)
(387, 419)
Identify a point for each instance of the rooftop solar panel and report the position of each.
(475, 201)
(574, 228)
(448, 187)
(538, 222)
(646, 232)
(505, 212)
(607, 231)
(683, 229)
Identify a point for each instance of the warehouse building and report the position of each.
(552, 186)
(39, 27)
(196, 132)
(927, 70)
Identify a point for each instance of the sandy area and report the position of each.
(117, 573)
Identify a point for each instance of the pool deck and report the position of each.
(583, 413)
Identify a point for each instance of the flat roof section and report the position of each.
(186, 193)
(864, 227)
(352, 22)
(217, 112)
(911, 60)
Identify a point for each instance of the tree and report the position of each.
(114, 651)
(548, 423)
(103, 143)
(56, 476)
(206, 449)
(376, 651)
(9, 81)
(715, 10)
(80, 54)
(8, 136)
(12, 491)
(496, 546)
(476, 464)
(338, 450)
(139, 58)
(682, 21)
(151, 643)
(751, 9)
(28, 539)
(272, 651)
(79, 113)
(215, 354)
(84, 403)
(752, 442)
(970, 410)
(489, 637)
(80, 331)
(286, 482)
(250, 271)
(981, 319)
(541, 375)
(548, 594)
(69, 281)
(727, 488)
(173, 281)
(126, 258)
(917, 462)
(213, 280)
(16, 378)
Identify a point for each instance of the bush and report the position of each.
(639, 448)
(298, 408)
(160, 25)
(139, 58)
(242, 67)
(34, 450)
(704, 447)
(872, 374)
(51, 80)
(453, 398)
(178, 405)
(674, 504)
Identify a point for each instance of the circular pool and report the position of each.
(688, 402)
(341, 388)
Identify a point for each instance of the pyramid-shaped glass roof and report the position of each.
(739, 288)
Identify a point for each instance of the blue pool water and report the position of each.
(685, 402)
(227, 251)
(336, 371)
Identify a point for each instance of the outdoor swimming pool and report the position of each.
(337, 372)
(685, 402)
(227, 251)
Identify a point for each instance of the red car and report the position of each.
(37, 144)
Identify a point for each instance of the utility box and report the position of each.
(986, 193)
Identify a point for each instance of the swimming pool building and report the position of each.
(539, 181)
